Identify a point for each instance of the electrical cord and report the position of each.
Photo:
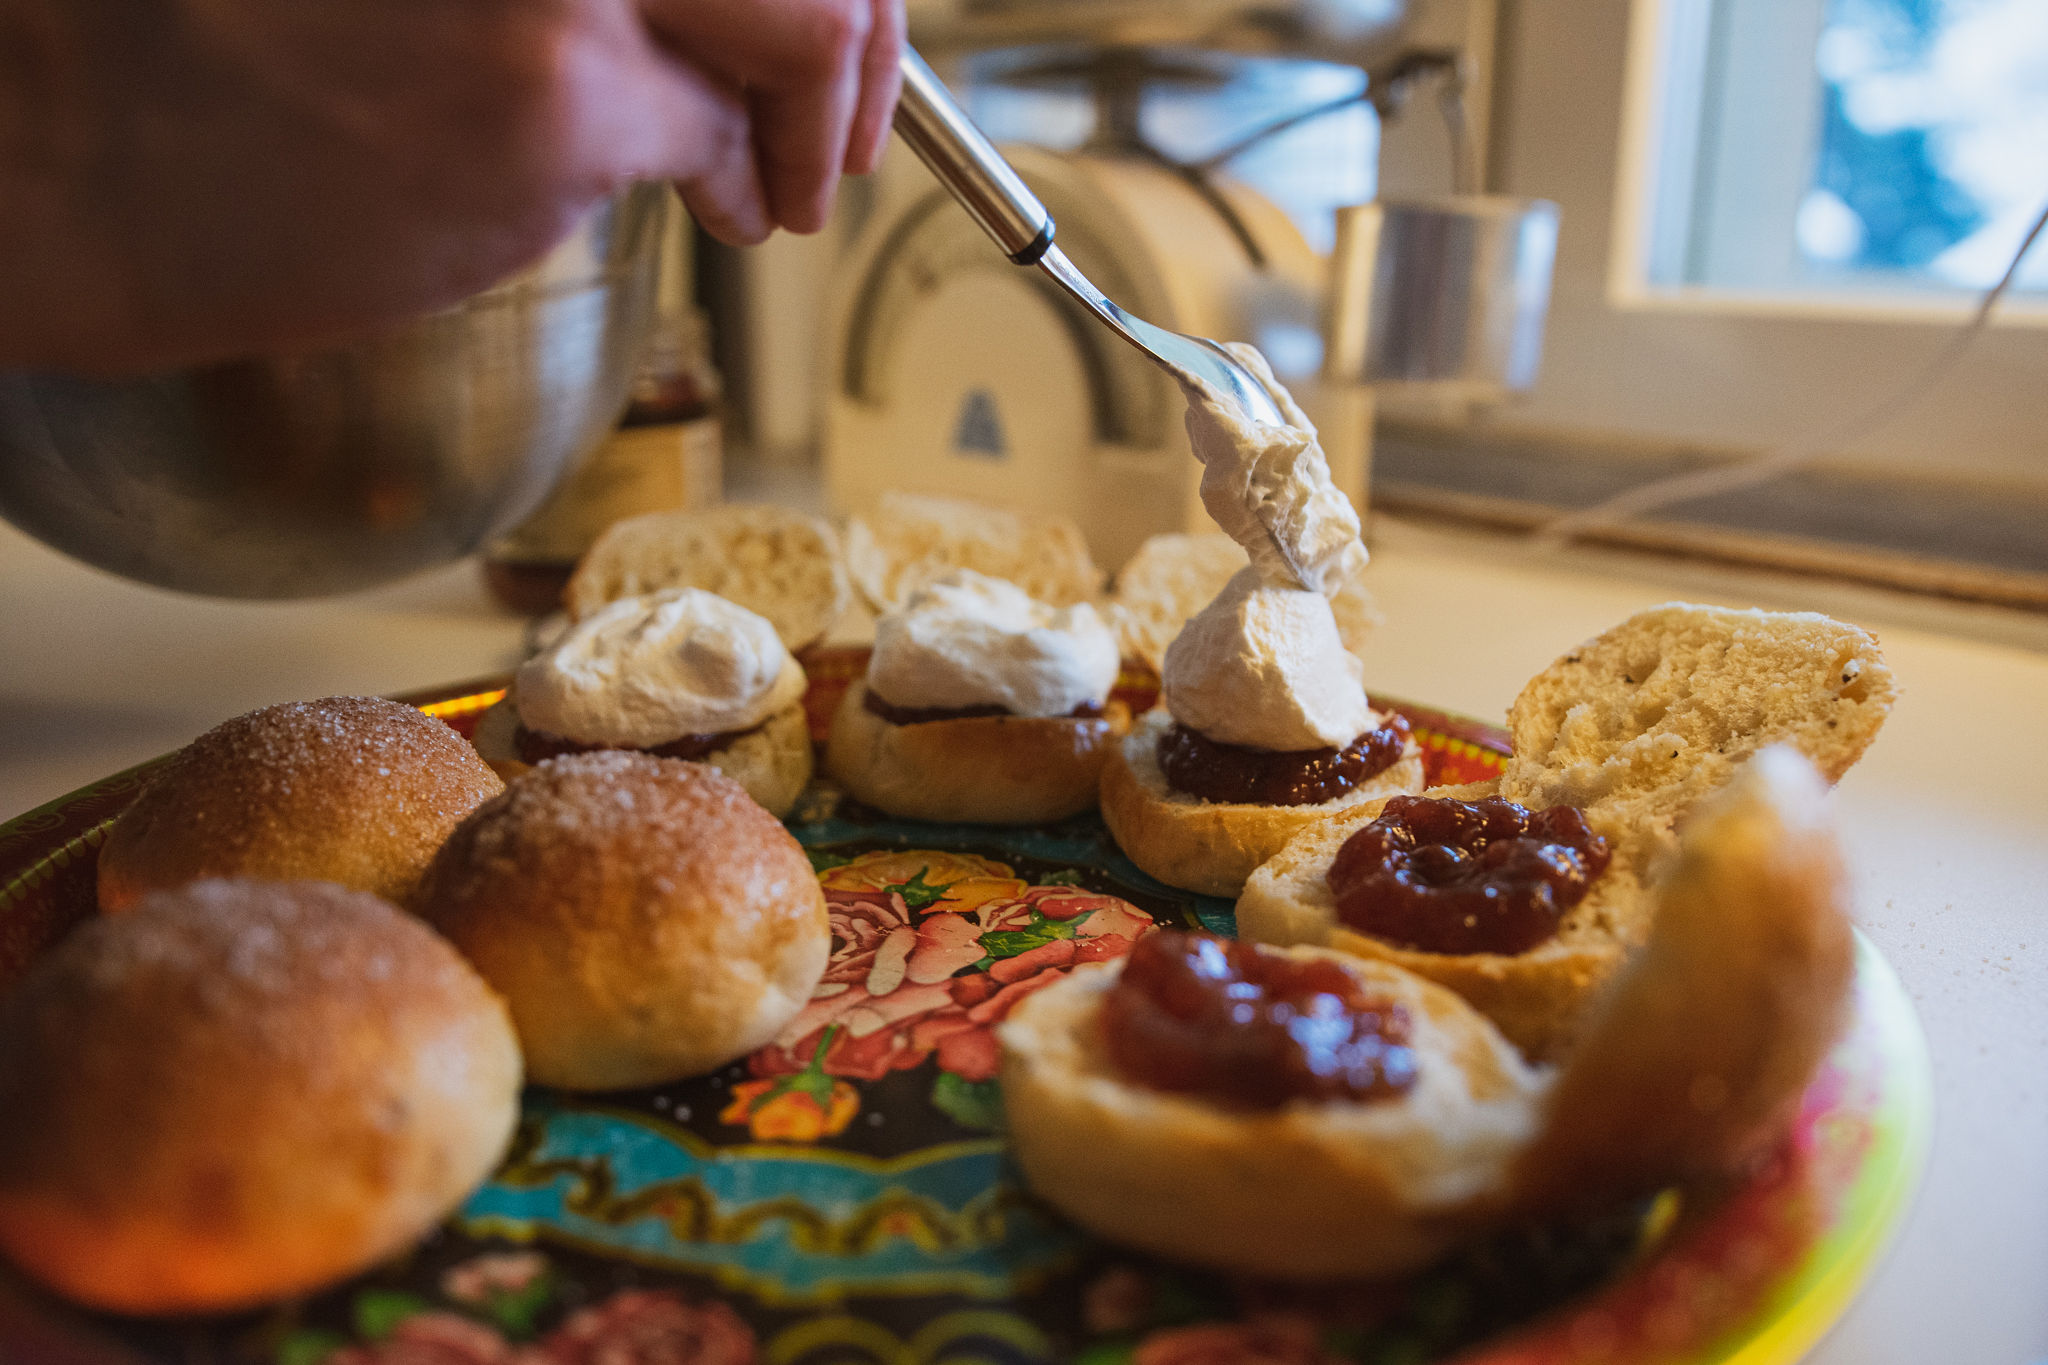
(1774, 463)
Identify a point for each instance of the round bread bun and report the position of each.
(773, 761)
(644, 918)
(983, 770)
(1537, 998)
(359, 791)
(1213, 846)
(240, 1091)
(1312, 1190)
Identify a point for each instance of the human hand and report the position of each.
(188, 179)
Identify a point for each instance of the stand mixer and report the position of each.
(951, 371)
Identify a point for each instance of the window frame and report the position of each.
(1575, 116)
(1675, 48)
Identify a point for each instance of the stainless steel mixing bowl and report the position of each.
(300, 475)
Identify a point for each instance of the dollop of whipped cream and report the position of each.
(1263, 666)
(645, 671)
(1269, 487)
(971, 640)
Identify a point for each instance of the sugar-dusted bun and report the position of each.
(1313, 1190)
(644, 918)
(1537, 998)
(1213, 846)
(1694, 1062)
(354, 790)
(909, 540)
(773, 761)
(780, 563)
(240, 1091)
(983, 770)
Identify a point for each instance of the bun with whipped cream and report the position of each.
(643, 918)
(1258, 684)
(980, 705)
(679, 673)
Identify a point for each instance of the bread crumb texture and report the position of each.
(1660, 711)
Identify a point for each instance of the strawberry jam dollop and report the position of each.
(1465, 876)
(1250, 1027)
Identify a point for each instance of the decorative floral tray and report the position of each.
(842, 1197)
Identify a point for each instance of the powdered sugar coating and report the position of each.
(354, 790)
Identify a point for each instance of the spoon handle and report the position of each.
(987, 186)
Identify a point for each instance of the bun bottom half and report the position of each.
(773, 761)
(1538, 998)
(1310, 1191)
(984, 770)
(1213, 846)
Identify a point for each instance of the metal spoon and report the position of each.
(990, 189)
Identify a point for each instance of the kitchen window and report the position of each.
(1881, 148)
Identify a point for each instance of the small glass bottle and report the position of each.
(666, 453)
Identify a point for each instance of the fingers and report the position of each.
(648, 115)
(881, 79)
(801, 67)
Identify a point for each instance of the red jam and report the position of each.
(1465, 877)
(1200, 766)
(923, 715)
(1200, 1015)
(535, 746)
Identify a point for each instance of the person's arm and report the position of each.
(185, 179)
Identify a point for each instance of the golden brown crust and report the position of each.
(171, 1078)
(1212, 846)
(1696, 1059)
(359, 791)
(773, 762)
(987, 770)
(1307, 1191)
(644, 917)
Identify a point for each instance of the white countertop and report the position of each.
(1947, 816)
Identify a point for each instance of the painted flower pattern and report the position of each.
(802, 1106)
(932, 951)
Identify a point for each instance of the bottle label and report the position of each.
(638, 469)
